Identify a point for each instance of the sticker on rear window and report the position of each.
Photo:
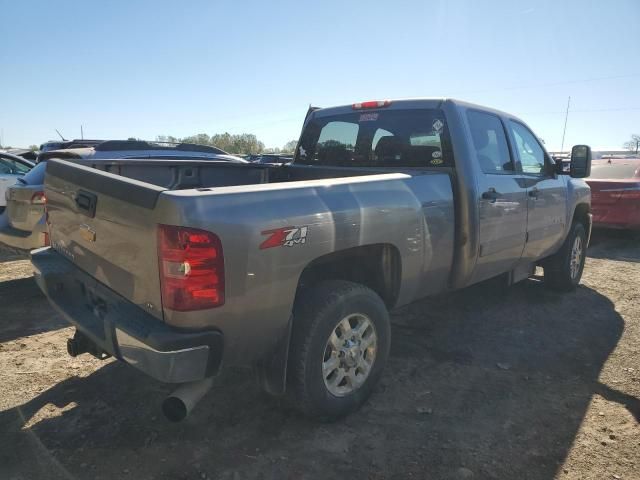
(368, 117)
(437, 126)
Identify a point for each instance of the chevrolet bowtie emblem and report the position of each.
(87, 233)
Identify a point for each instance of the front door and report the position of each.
(502, 200)
(546, 194)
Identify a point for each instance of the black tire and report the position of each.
(316, 314)
(557, 269)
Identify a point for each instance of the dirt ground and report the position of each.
(518, 383)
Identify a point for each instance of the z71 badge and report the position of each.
(284, 237)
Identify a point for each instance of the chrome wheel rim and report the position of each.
(576, 257)
(349, 354)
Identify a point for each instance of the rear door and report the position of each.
(502, 200)
(546, 194)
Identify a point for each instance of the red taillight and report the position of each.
(372, 104)
(45, 239)
(38, 198)
(191, 268)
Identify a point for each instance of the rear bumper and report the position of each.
(618, 216)
(22, 241)
(617, 226)
(123, 329)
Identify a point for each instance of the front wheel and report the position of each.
(563, 270)
(339, 346)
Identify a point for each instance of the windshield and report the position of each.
(615, 171)
(387, 138)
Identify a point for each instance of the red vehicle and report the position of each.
(615, 193)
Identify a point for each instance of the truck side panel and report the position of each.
(412, 213)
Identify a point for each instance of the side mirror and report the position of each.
(580, 161)
(559, 167)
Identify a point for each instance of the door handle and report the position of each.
(490, 194)
(86, 202)
(533, 193)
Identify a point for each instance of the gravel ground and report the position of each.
(483, 383)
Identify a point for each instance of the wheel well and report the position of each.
(375, 266)
(581, 214)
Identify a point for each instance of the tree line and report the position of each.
(240, 144)
(632, 145)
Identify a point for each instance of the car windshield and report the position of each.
(385, 138)
(615, 171)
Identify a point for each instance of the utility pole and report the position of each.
(565, 124)
(81, 133)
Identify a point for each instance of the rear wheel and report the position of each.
(340, 344)
(563, 270)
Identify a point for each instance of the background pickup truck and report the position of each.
(181, 267)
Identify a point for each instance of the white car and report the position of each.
(11, 168)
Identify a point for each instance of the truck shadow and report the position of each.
(620, 245)
(493, 380)
(25, 310)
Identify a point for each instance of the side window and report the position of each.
(490, 143)
(529, 150)
(11, 167)
(20, 168)
(5, 167)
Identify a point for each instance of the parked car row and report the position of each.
(614, 181)
(25, 153)
(274, 158)
(22, 183)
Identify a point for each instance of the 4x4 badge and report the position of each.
(284, 237)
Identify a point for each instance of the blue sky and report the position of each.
(147, 68)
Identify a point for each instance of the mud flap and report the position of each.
(271, 370)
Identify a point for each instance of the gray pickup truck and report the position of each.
(183, 267)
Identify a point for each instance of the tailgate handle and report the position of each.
(86, 202)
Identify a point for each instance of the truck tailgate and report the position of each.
(104, 223)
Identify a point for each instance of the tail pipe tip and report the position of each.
(177, 406)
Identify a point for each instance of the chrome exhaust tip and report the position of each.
(177, 406)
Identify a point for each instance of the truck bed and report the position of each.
(180, 175)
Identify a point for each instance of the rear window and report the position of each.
(35, 176)
(387, 138)
(615, 170)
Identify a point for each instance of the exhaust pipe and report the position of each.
(179, 404)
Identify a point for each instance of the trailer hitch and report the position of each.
(80, 344)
